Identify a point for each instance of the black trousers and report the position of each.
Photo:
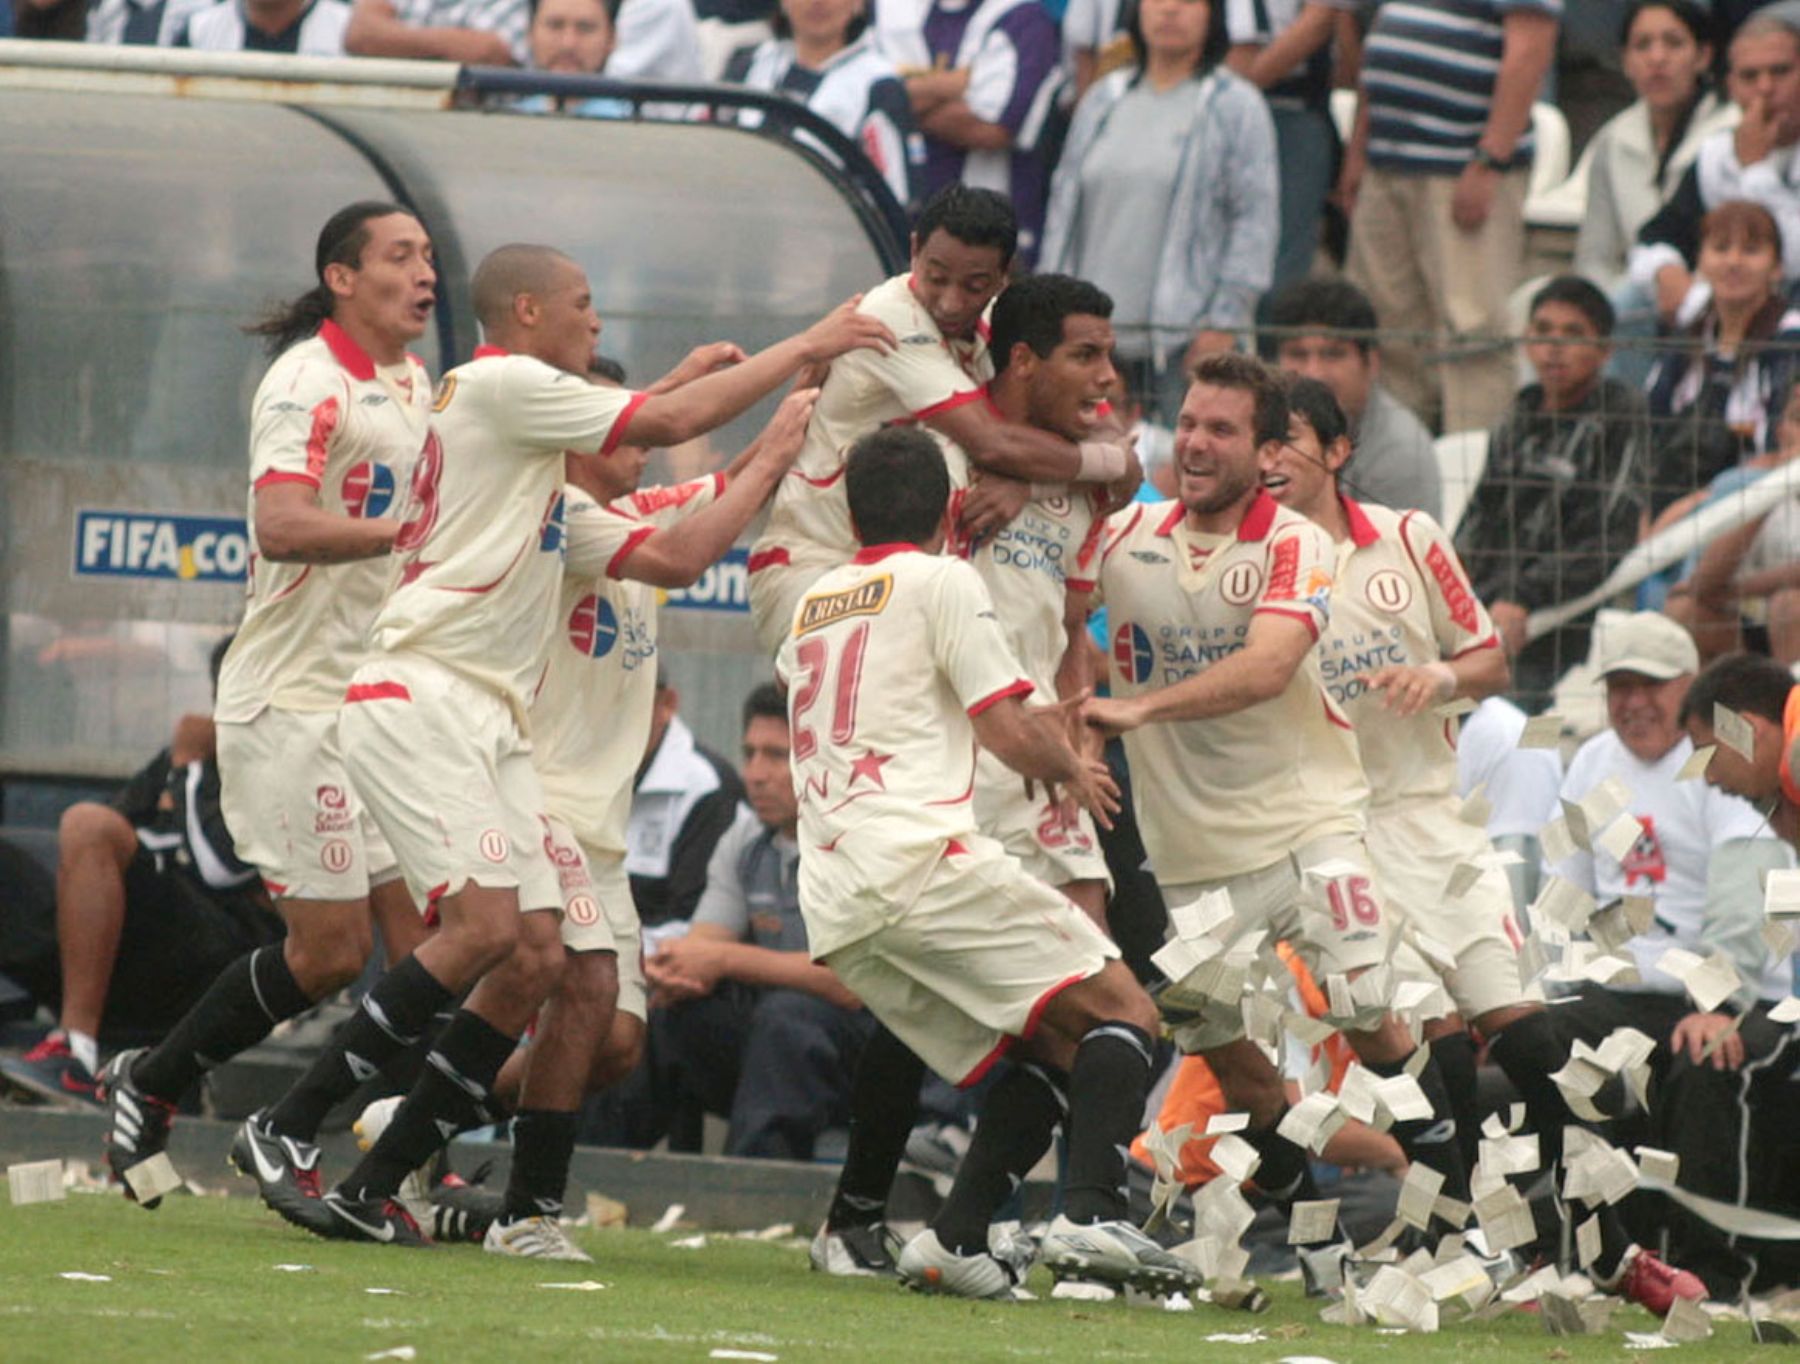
(1732, 1131)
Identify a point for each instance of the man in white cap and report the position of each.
(1698, 860)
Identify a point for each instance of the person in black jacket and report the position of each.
(151, 903)
(1561, 498)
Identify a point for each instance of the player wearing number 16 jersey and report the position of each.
(895, 667)
(1407, 634)
(1246, 771)
(436, 722)
(335, 426)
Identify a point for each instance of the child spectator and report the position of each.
(1561, 498)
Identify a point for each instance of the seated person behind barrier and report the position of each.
(1699, 859)
(151, 903)
(1714, 398)
(472, 32)
(684, 799)
(1561, 499)
(752, 1028)
(1744, 587)
(309, 28)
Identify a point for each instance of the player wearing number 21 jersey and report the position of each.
(895, 665)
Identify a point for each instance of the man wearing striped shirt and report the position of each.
(1437, 172)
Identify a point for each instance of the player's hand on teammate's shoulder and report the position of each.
(844, 329)
(991, 503)
(1410, 688)
(698, 363)
(782, 438)
(1121, 491)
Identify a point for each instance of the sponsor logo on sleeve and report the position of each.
(1457, 595)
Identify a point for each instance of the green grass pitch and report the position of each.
(196, 1281)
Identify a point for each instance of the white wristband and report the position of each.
(1100, 463)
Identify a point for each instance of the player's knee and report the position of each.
(538, 957)
(619, 1054)
(87, 830)
(323, 962)
(589, 984)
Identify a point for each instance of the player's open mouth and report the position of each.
(1275, 482)
(421, 307)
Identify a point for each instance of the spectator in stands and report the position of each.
(1711, 400)
(1759, 160)
(1699, 859)
(753, 1027)
(684, 800)
(984, 101)
(1167, 197)
(1744, 587)
(823, 56)
(1561, 498)
(473, 32)
(1324, 329)
(1641, 154)
(311, 28)
(573, 38)
(1437, 231)
(1284, 48)
(151, 904)
(147, 23)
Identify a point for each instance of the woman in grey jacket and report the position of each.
(1168, 197)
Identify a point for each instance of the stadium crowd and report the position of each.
(1290, 615)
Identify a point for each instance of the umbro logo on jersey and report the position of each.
(919, 339)
(1149, 556)
(372, 399)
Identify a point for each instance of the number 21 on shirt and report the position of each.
(815, 659)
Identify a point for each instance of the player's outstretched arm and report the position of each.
(700, 361)
(696, 963)
(1033, 741)
(1258, 672)
(677, 555)
(712, 400)
(1025, 452)
(292, 528)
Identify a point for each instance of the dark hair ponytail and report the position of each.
(341, 242)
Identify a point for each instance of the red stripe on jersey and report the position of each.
(1007, 1043)
(1114, 537)
(1259, 517)
(1087, 558)
(1332, 715)
(279, 476)
(615, 566)
(376, 691)
(1019, 688)
(486, 352)
(275, 888)
(1304, 617)
(1172, 520)
(810, 481)
(1362, 530)
(955, 848)
(767, 558)
(294, 586)
(1457, 594)
(432, 896)
(623, 420)
(874, 554)
(950, 404)
(324, 422)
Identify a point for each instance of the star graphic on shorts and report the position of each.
(869, 765)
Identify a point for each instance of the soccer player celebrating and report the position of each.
(1246, 771)
(456, 650)
(959, 953)
(962, 249)
(335, 427)
(1407, 635)
(590, 722)
(1052, 346)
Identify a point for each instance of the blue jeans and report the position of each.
(1306, 141)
